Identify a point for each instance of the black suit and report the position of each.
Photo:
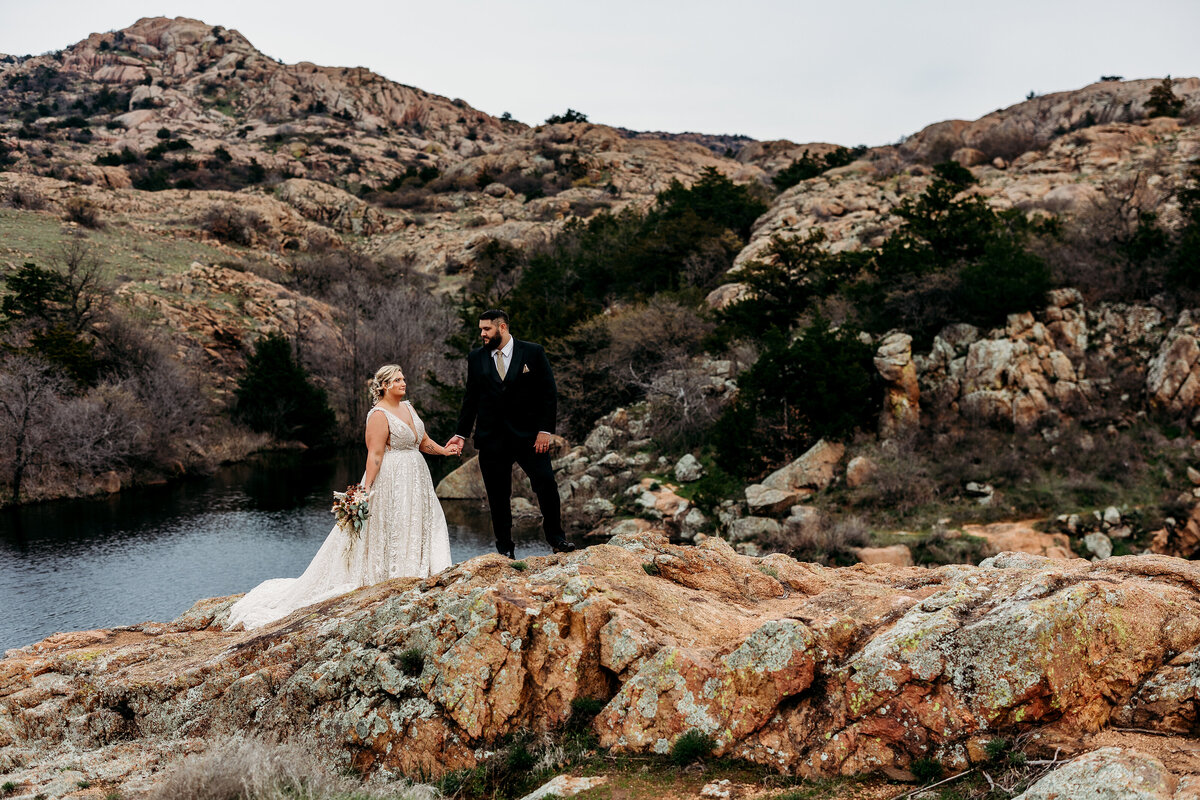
(507, 416)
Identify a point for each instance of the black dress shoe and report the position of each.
(508, 554)
(562, 546)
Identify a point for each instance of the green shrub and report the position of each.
(686, 240)
(819, 386)
(60, 345)
(926, 769)
(153, 180)
(570, 116)
(808, 166)
(997, 749)
(412, 662)
(126, 156)
(275, 395)
(1004, 280)
(715, 199)
(952, 259)
(714, 487)
(783, 285)
(58, 306)
(1184, 259)
(519, 566)
(583, 711)
(520, 757)
(692, 746)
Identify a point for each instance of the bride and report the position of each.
(405, 533)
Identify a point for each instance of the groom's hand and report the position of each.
(542, 443)
(455, 445)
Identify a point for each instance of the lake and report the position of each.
(150, 553)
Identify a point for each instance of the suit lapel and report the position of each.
(518, 361)
(487, 364)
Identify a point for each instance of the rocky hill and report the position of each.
(349, 128)
(202, 170)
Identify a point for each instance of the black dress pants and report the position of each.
(495, 462)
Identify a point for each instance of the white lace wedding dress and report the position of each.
(404, 536)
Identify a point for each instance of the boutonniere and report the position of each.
(525, 369)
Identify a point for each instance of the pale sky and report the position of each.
(851, 72)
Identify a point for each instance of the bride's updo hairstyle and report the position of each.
(383, 376)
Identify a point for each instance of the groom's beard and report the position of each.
(492, 344)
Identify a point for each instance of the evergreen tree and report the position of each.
(798, 391)
(1163, 102)
(275, 395)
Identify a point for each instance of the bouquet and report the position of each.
(351, 508)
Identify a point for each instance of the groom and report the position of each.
(511, 402)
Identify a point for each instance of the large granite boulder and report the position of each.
(424, 676)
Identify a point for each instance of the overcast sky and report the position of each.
(846, 72)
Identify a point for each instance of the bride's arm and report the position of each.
(433, 448)
(377, 439)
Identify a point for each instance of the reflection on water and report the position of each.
(148, 554)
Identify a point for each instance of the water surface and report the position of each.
(150, 553)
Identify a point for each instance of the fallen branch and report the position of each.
(932, 785)
(1143, 730)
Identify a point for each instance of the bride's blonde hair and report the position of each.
(383, 376)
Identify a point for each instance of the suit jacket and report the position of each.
(519, 407)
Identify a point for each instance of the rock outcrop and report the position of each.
(216, 334)
(1020, 537)
(1011, 132)
(1173, 379)
(806, 669)
(902, 397)
(797, 481)
(1060, 362)
(1114, 772)
(327, 205)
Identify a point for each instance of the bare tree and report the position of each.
(167, 395)
(29, 401)
(389, 314)
(103, 429)
(83, 282)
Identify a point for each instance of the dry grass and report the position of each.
(256, 769)
(823, 539)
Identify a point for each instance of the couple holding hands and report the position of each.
(510, 402)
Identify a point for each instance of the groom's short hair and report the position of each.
(495, 314)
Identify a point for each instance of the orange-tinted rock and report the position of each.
(902, 397)
(1181, 539)
(1021, 537)
(912, 662)
(897, 555)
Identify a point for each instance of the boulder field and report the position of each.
(807, 669)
